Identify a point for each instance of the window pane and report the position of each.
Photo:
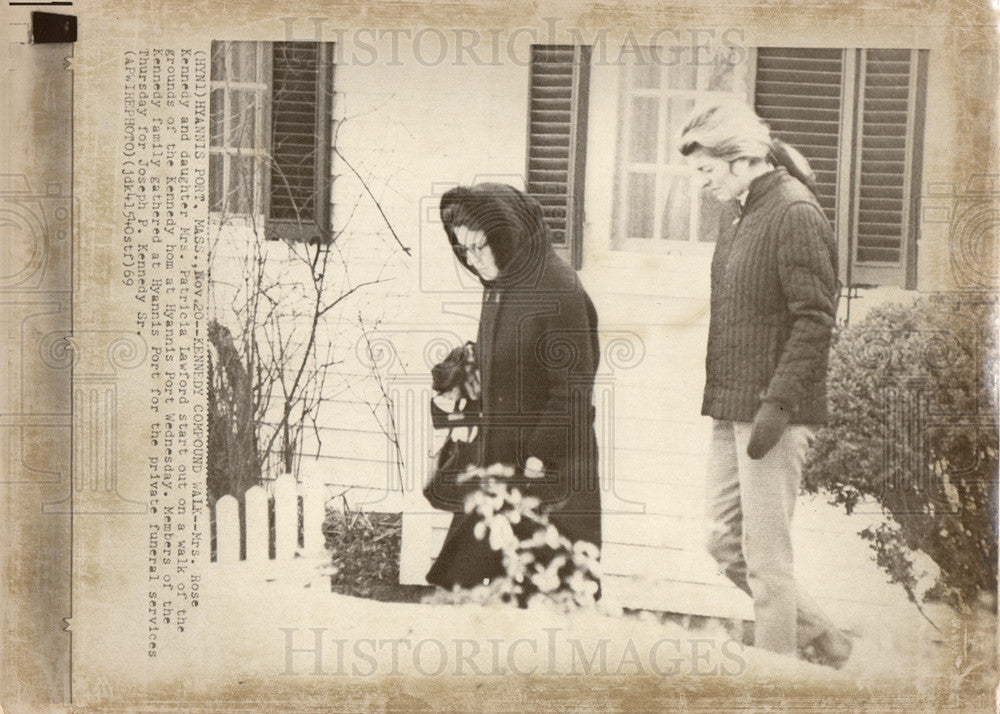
(242, 119)
(217, 123)
(683, 73)
(646, 75)
(640, 195)
(643, 131)
(710, 216)
(242, 180)
(721, 76)
(215, 164)
(243, 62)
(670, 57)
(678, 111)
(218, 61)
(676, 223)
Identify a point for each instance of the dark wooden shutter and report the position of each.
(557, 132)
(882, 193)
(799, 94)
(301, 84)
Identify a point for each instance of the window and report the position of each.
(867, 165)
(659, 203)
(557, 141)
(269, 155)
(856, 115)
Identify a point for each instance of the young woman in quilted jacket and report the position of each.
(774, 292)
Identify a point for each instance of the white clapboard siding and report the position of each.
(633, 429)
(674, 532)
(611, 278)
(366, 499)
(650, 462)
(654, 499)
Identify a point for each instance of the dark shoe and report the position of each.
(832, 648)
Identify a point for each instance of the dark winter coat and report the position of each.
(774, 303)
(538, 352)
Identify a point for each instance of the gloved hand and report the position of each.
(534, 468)
(768, 425)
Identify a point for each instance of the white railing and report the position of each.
(257, 529)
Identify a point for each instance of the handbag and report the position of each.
(443, 489)
(458, 374)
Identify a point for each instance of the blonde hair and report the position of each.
(729, 130)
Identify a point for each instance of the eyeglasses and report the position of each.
(462, 251)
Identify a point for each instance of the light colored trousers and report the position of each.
(749, 509)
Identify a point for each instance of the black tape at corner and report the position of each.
(48, 27)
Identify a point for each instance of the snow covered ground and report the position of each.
(280, 640)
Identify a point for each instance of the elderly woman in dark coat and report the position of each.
(538, 352)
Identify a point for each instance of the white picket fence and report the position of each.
(286, 494)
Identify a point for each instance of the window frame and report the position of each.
(851, 135)
(662, 169)
(259, 219)
(261, 140)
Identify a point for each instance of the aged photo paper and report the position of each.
(226, 280)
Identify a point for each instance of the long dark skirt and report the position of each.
(464, 559)
(467, 561)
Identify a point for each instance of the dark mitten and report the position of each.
(768, 425)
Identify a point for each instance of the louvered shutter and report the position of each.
(557, 118)
(300, 151)
(799, 94)
(806, 96)
(882, 192)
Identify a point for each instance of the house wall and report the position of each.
(411, 135)
(658, 449)
(403, 137)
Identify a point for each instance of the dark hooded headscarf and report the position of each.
(512, 223)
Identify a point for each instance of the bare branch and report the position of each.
(378, 205)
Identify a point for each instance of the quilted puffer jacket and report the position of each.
(774, 303)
